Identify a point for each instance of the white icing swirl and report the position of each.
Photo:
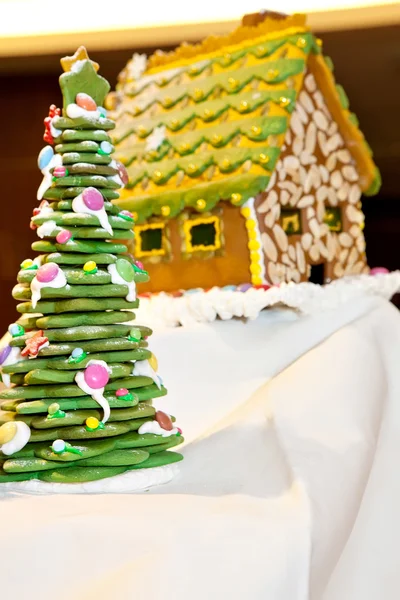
(156, 429)
(56, 161)
(19, 441)
(75, 112)
(46, 229)
(58, 282)
(78, 206)
(143, 367)
(117, 279)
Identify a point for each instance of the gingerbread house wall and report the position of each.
(315, 170)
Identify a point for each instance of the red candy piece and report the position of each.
(63, 236)
(53, 112)
(47, 272)
(93, 199)
(43, 204)
(121, 392)
(34, 344)
(96, 376)
(85, 101)
(32, 226)
(122, 172)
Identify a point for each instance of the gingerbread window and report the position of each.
(202, 234)
(150, 240)
(291, 222)
(333, 218)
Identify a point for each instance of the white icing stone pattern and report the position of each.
(58, 282)
(249, 213)
(96, 394)
(78, 206)
(302, 181)
(144, 368)
(117, 279)
(309, 298)
(156, 429)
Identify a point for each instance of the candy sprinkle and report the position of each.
(28, 264)
(135, 335)
(123, 394)
(16, 330)
(77, 355)
(90, 267)
(92, 424)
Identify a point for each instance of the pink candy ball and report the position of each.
(60, 172)
(85, 101)
(379, 271)
(121, 392)
(96, 376)
(63, 236)
(93, 199)
(139, 264)
(47, 272)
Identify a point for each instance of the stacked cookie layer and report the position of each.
(81, 377)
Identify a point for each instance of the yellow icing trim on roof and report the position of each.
(352, 136)
(212, 46)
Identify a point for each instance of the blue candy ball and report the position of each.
(106, 147)
(45, 156)
(76, 352)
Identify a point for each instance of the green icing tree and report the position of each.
(79, 377)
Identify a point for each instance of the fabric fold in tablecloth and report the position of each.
(291, 426)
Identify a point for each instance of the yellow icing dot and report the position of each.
(153, 362)
(7, 432)
(168, 101)
(200, 203)
(191, 168)
(92, 422)
(253, 245)
(254, 256)
(157, 175)
(252, 233)
(319, 42)
(174, 123)
(198, 94)
(260, 50)
(272, 73)
(301, 42)
(216, 139)
(165, 211)
(142, 131)
(255, 269)
(208, 114)
(243, 106)
(263, 158)
(233, 83)
(362, 225)
(283, 101)
(236, 198)
(226, 163)
(89, 266)
(250, 224)
(246, 212)
(256, 280)
(255, 130)
(184, 147)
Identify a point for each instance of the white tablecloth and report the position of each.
(290, 488)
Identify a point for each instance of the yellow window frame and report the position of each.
(139, 252)
(187, 227)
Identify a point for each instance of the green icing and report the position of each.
(329, 63)
(375, 185)
(83, 78)
(246, 185)
(354, 119)
(344, 101)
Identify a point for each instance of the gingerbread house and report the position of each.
(245, 163)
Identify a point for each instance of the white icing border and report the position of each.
(205, 307)
(131, 481)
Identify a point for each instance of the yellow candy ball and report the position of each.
(254, 256)
(254, 245)
(27, 263)
(153, 362)
(89, 266)
(250, 224)
(252, 233)
(256, 280)
(7, 432)
(255, 269)
(92, 422)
